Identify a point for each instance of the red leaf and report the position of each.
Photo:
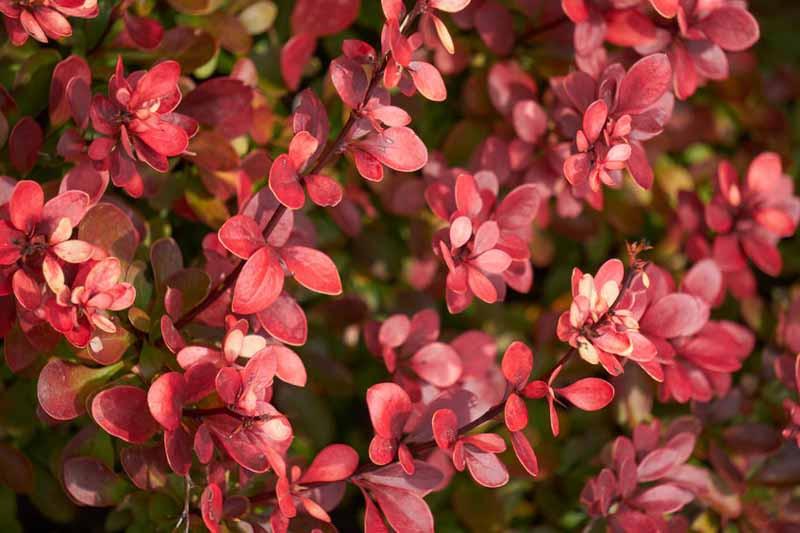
(515, 413)
(66, 70)
(165, 399)
(517, 364)
(324, 17)
(425, 479)
(646, 81)
(732, 27)
(659, 462)
(178, 448)
(323, 190)
(445, 428)
(333, 463)
(16, 470)
(704, 280)
(485, 468)
(285, 320)
(259, 284)
(295, 55)
(312, 269)
(122, 411)
(428, 80)
(676, 315)
(350, 80)
(203, 444)
(25, 205)
(24, 143)
(283, 182)
(405, 511)
(253, 446)
(397, 148)
(662, 499)
(524, 452)
(62, 387)
(211, 506)
(389, 407)
(90, 482)
(146, 466)
(588, 394)
(241, 236)
(495, 26)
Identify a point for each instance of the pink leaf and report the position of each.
(405, 511)
(394, 331)
(485, 468)
(661, 499)
(530, 120)
(389, 407)
(704, 280)
(438, 364)
(397, 148)
(290, 367)
(588, 394)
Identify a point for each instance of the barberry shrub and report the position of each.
(409, 265)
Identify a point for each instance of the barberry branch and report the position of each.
(331, 151)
